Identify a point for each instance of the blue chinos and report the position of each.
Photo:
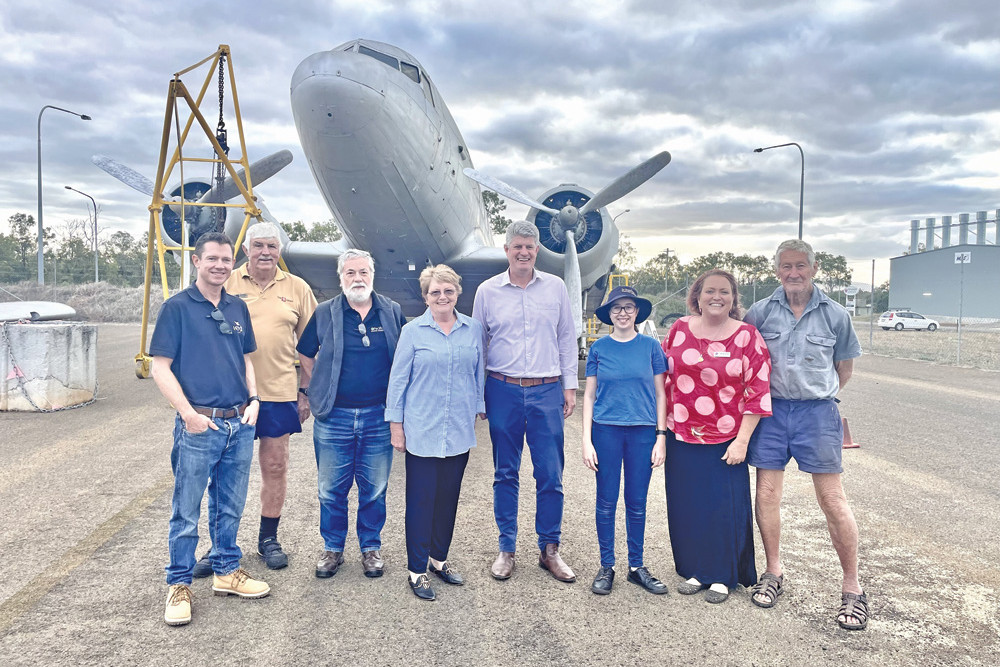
(534, 414)
(221, 461)
(352, 444)
(630, 447)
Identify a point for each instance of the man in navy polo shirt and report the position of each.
(348, 347)
(201, 364)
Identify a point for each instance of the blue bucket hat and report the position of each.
(643, 306)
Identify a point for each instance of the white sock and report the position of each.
(719, 588)
(693, 582)
(414, 576)
(438, 565)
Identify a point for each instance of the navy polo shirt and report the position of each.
(208, 364)
(364, 370)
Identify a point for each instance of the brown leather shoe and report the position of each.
(373, 564)
(329, 563)
(550, 560)
(503, 566)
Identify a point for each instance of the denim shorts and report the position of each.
(808, 431)
(277, 419)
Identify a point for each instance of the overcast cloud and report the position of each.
(896, 105)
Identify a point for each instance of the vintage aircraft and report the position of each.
(395, 171)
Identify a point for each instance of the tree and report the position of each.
(626, 257)
(319, 231)
(658, 275)
(880, 299)
(833, 271)
(495, 206)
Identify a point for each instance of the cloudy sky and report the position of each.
(896, 105)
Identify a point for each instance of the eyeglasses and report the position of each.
(223, 324)
(364, 335)
(434, 294)
(628, 309)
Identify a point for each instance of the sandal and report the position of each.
(770, 586)
(856, 606)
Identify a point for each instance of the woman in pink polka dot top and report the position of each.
(717, 391)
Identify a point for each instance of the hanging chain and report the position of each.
(218, 216)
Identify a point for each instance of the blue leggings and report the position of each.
(630, 447)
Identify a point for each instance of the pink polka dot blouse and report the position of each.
(712, 384)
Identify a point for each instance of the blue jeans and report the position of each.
(630, 447)
(352, 444)
(221, 461)
(534, 414)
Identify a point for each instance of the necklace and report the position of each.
(709, 337)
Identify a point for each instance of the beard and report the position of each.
(356, 293)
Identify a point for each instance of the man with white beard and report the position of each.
(349, 345)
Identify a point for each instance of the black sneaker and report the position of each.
(641, 577)
(603, 581)
(270, 551)
(203, 568)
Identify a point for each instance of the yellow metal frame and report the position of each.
(165, 167)
(593, 324)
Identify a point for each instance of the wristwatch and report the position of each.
(660, 431)
(252, 399)
(304, 391)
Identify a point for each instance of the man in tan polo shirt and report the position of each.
(280, 306)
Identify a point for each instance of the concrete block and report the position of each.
(47, 365)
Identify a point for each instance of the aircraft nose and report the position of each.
(338, 92)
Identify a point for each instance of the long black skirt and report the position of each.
(709, 514)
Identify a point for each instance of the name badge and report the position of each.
(723, 354)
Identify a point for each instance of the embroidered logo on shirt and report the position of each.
(237, 327)
(284, 299)
(376, 329)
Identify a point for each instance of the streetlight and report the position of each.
(620, 214)
(95, 226)
(802, 182)
(41, 240)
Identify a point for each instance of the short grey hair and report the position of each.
(794, 245)
(262, 230)
(521, 228)
(354, 253)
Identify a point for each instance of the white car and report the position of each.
(906, 319)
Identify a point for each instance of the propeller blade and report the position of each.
(574, 283)
(126, 175)
(508, 191)
(261, 170)
(627, 182)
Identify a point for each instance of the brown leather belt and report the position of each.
(522, 382)
(221, 413)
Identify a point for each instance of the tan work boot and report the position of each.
(239, 582)
(178, 610)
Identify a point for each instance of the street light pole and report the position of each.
(620, 214)
(41, 240)
(95, 226)
(802, 180)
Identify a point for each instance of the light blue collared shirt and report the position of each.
(529, 332)
(804, 351)
(436, 385)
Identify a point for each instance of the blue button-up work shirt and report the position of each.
(436, 386)
(804, 351)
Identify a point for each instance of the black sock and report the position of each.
(268, 527)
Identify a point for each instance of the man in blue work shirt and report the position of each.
(813, 346)
(201, 364)
(348, 347)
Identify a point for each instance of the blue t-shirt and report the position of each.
(626, 388)
(208, 364)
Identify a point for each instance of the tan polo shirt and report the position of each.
(279, 313)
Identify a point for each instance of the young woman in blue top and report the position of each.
(435, 393)
(624, 425)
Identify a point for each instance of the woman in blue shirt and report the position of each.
(624, 425)
(435, 393)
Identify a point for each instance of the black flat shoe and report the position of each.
(603, 581)
(422, 588)
(641, 577)
(447, 575)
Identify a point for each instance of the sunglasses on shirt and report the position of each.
(364, 335)
(224, 327)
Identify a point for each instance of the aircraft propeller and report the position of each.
(571, 220)
(260, 171)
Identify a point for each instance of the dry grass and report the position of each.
(980, 344)
(94, 302)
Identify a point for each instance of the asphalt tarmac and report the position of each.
(83, 541)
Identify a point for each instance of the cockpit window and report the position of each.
(411, 71)
(388, 60)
